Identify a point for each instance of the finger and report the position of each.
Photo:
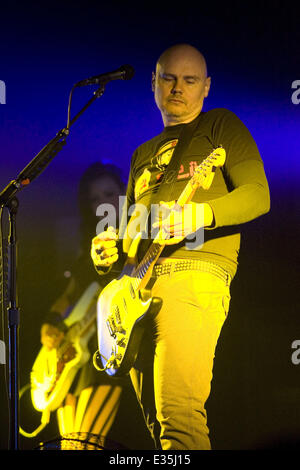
(114, 258)
(112, 232)
(178, 230)
(98, 256)
(172, 241)
(157, 224)
(99, 251)
(107, 261)
(109, 252)
(105, 246)
(164, 224)
(168, 225)
(103, 236)
(112, 229)
(160, 237)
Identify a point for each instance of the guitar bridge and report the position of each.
(111, 327)
(114, 328)
(116, 312)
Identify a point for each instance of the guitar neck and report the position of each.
(187, 194)
(144, 268)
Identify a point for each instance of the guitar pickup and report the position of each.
(131, 289)
(116, 313)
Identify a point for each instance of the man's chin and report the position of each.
(173, 113)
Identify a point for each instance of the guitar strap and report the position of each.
(166, 188)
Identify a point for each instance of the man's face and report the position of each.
(180, 86)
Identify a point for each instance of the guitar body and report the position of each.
(122, 315)
(52, 377)
(54, 371)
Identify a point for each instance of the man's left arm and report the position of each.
(249, 199)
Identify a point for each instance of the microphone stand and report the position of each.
(9, 200)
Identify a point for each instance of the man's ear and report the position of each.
(207, 86)
(153, 81)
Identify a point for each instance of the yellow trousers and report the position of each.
(173, 372)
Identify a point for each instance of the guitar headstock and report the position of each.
(204, 173)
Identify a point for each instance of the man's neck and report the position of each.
(170, 121)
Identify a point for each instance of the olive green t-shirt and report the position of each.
(239, 191)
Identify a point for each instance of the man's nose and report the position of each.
(177, 87)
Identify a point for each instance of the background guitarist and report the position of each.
(94, 397)
(173, 372)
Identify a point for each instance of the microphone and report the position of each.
(125, 72)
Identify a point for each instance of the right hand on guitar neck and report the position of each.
(104, 251)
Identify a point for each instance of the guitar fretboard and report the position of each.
(142, 268)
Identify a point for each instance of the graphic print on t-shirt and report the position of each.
(153, 174)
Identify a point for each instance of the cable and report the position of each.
(44, 419)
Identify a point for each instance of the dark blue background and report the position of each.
(252, 51)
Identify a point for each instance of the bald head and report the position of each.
(180, 84)
(183, 53)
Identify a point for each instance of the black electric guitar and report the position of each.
(53, 371)
(124, 305)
